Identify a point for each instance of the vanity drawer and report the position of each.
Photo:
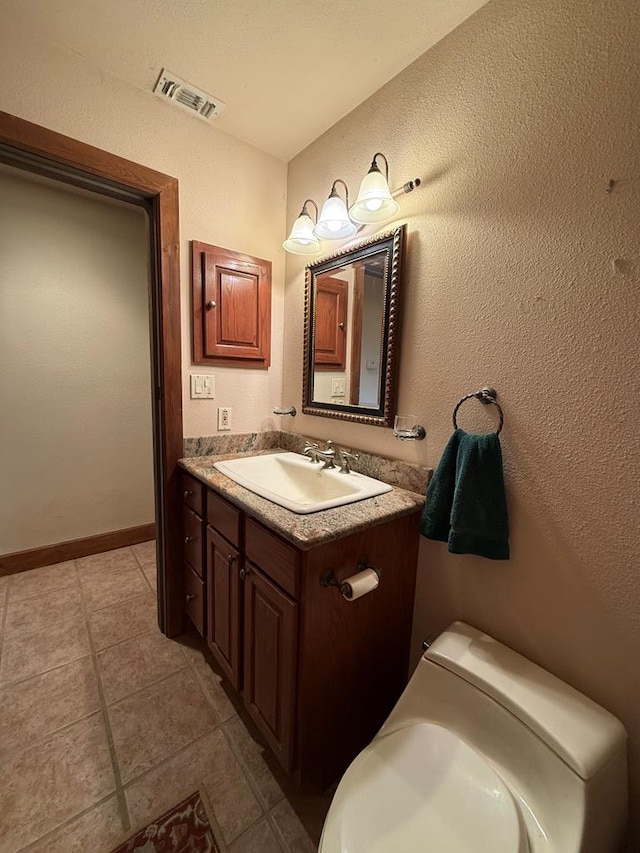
(193, 541)
(277, 559)
(192, 492)
(194, 594)
(224, 517)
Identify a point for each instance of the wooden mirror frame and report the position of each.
(393, 242)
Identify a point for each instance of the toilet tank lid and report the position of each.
(578, 730)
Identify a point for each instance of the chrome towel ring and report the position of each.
(486, 396)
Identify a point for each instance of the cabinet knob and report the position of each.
(210, 305)
(243, 573)
(187, 494)
(188, 539)
(190, 597)
(231, 559)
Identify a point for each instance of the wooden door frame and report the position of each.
(28, 146)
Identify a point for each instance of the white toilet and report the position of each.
(485, 752)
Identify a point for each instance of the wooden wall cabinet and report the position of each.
(318, 674)
(330, 340)
(231, 307)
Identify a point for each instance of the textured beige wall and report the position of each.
(523, 272)
(75, 384)
(231, 194)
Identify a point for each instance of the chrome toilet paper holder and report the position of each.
(344, 587)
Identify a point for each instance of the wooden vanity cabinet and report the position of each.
(270, 656)
(318, 674)
(193, 494)
(224, 605)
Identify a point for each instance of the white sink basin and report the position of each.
(296, 483)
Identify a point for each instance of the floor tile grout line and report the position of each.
(53, 590)
(135, 779)
(120, 603)
(24, 631)
(200, 684)
(139, 690)
(46, 594)
(218, 834)
(147, 581)
(143, 633)
(279, 834)
(44, 672)
(17, 681)
(141, 566)
(67, 823)
(284, 848)
(39, 741)
(122, 802)
(235, 750)
(253, 784)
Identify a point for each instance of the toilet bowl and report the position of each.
(484, 751)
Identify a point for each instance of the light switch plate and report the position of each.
(202, 386)
(337, 388)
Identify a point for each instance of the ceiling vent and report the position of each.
(186, 96)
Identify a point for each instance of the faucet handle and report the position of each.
(346, 456)
(310, 449)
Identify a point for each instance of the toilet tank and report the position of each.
(562, 755)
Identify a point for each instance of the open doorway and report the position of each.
(76, 436)
(29, 147)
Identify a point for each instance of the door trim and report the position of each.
(28, 146)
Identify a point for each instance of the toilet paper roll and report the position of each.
(358, 585)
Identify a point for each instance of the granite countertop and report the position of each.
(304, 531)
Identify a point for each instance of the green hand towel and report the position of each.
(466, 503)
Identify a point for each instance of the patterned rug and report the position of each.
(183, 829)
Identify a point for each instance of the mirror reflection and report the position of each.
(348, 333)
(350, 314)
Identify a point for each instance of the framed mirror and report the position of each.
(351, 327)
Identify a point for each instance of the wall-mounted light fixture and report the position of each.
(302, 240)
(337, 221)
(333, 222)
(374, 202)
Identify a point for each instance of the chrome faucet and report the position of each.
(311, 450)
(346, 456)
(327, 455)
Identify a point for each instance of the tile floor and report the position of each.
(105, 723)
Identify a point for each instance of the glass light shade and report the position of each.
(374, 202)
(302, 240)
(333, 222)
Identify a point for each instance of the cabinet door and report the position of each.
(224, 605)
(270, 644)
(232, 307)
(192, 547)
(194, 599)
(330, 323)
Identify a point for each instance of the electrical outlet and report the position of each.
(224, 417)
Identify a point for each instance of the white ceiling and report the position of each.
(286, 69)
